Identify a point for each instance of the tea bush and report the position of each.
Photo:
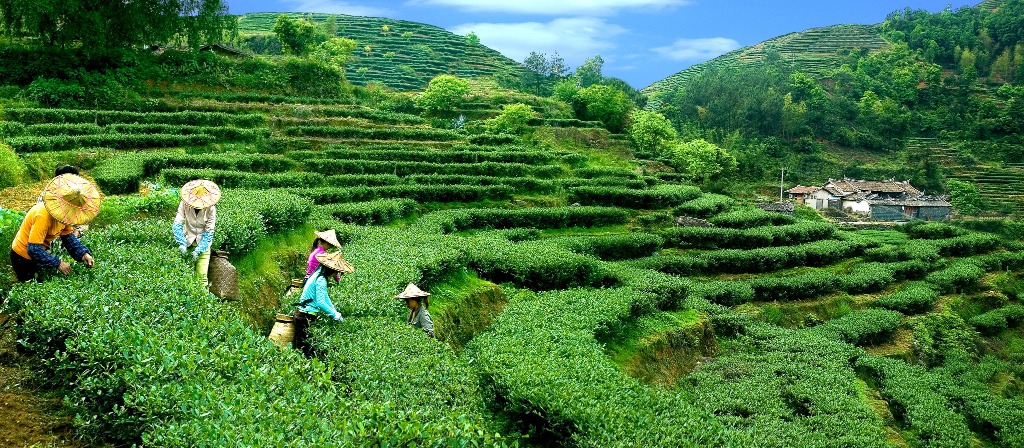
(663, 196)
(746, 218)
(914, 297)
(706, 206)
(378, 212)
(719, 238)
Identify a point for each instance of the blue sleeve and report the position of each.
(323, 301)
(179, 233)
(74, 246)
(42, 257)
(204, 242)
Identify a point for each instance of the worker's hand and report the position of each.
(184, 250)
(64, 268)
(87, 259)
(337, 317)
(195, 255)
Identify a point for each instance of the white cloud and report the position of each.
(697, 49)
(575, 39)
(338, 7)
(554, 7)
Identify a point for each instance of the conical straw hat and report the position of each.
(412, 292)
(72, 200)
(200, 193)
(335, 261)
(330, 236)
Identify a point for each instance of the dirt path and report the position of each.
(28, 418)
(21, 197)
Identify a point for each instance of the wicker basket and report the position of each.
(223, 276)
(283, 332)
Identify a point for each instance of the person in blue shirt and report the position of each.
(314, 300)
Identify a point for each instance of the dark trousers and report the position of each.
(302, 321)
(24, 269)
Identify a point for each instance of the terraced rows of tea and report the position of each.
(571, 308)
(814, 51)
(399, 54)
(1002, 187)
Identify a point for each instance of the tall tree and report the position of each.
(590, 72)
(103, 25)
(298, 36)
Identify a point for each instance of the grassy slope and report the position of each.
(397, 58)
(813, 51)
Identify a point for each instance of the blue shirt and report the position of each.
(314, 297)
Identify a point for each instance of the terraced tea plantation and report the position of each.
(399, 54)
(571, 309)
(814, 52)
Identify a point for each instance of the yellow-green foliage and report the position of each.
(12, 169)
(513, 119)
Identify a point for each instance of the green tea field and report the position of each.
(571, 308)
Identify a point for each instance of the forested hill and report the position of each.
(399, 54)
(814, 51)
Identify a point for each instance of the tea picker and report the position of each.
(195, 223)
(418, 301)
(314, 299)
(324, 242)
(68, 200)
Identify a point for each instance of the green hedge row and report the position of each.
(122, 174)
(107, 117)
(908, 250)
(767, 259)
(719, 238)
(912, 298)
(932, 418)
(612, 247)
(966, 245)
(539, 265)
(389, 133)
(746, 218)
(154, 361)
(377, 212)
(871, 326)
(706, 206)
(449, 221)
(115, 141)
(241, 179)
(931, 230)
(659, 197)
(52, 129)
(433, 156)
(566, 123)
(419, 193)
(222, 133)
(997, 320)
(330, 166)
(543, 367)
(244, 217)
(959, 275)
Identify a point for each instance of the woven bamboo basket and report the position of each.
(283, 332)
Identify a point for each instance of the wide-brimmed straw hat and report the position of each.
(335, 261)
(200, 193)
(330, 236)
(71, 199)
(412, 292)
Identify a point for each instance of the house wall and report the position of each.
(857, 206)
(819, 200)
(880, 212)
(933, 213)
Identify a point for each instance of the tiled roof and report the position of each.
(800, 189)
(847, 186)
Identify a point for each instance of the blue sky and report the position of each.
(641, 41)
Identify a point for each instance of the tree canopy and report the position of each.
(100, 25)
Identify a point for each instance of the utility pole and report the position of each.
(782, 185)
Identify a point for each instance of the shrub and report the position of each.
(493, 139)
(751, 217)
(612, 247)
(960, 275)
(238, 179)
(795, 287)
(931, 230)
(513, 119)
(107, 117)
(662, 196)
(378, 212)
(444, 93)
(712, 237)
(539, 265)
(997, 320)
(419, 193)
(11, 129)
(862, 327)
(449, 221)
(706, 206)
(12, 169)
(938, 336)
(333, 166)
(390, 133)
(912, 298)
